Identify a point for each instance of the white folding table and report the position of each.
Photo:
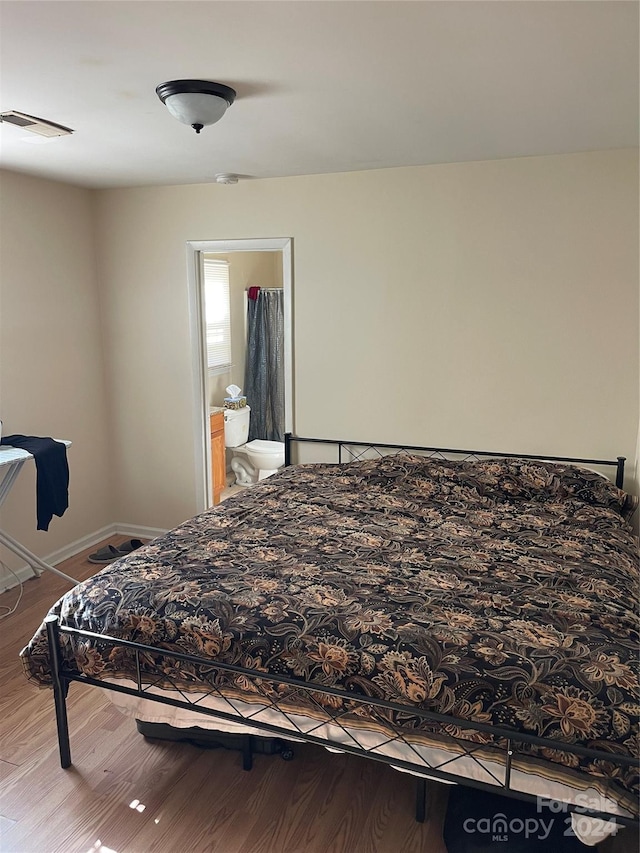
(11, 461)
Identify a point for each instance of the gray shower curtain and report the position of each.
(264, 367)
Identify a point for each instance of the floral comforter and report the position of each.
(500, 592)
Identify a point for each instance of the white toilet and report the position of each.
(253, 460)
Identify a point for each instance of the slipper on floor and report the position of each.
(129, 546)
(105, 555)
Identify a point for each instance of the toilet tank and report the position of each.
(236, 426)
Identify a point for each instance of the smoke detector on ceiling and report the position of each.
(226, 178)
(34, 124)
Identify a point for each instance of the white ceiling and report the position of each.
(322, 86)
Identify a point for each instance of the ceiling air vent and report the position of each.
(34, 124)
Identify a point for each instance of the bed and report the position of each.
(461, 615)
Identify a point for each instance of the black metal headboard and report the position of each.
(354, 450)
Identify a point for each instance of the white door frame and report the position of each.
(197, 333)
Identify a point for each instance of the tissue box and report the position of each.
(235, 402)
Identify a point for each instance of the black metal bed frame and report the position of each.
(354, 454)
(397, 719)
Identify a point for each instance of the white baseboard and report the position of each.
(118, 528)
(136, 530)
(14, 577)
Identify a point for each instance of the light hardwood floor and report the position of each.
(189, 800)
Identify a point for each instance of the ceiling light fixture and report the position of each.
(196, 102)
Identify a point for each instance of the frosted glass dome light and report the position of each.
(196, 102)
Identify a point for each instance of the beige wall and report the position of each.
(492, 305)
(51, 368)
(246, 269)
(485, 304)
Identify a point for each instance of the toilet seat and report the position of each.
(259, 445)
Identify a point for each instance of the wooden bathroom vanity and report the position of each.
(218, 455)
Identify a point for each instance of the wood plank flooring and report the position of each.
(188, 800)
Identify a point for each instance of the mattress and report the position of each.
(498, 593)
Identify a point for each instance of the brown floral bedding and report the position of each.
(501, 592)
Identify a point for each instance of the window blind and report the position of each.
(217, 314)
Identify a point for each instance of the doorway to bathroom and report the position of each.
(246, 265)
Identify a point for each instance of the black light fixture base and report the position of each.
(200, 87)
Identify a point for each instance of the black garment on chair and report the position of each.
(52, 474)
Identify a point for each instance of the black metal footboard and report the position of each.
(496, 745)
